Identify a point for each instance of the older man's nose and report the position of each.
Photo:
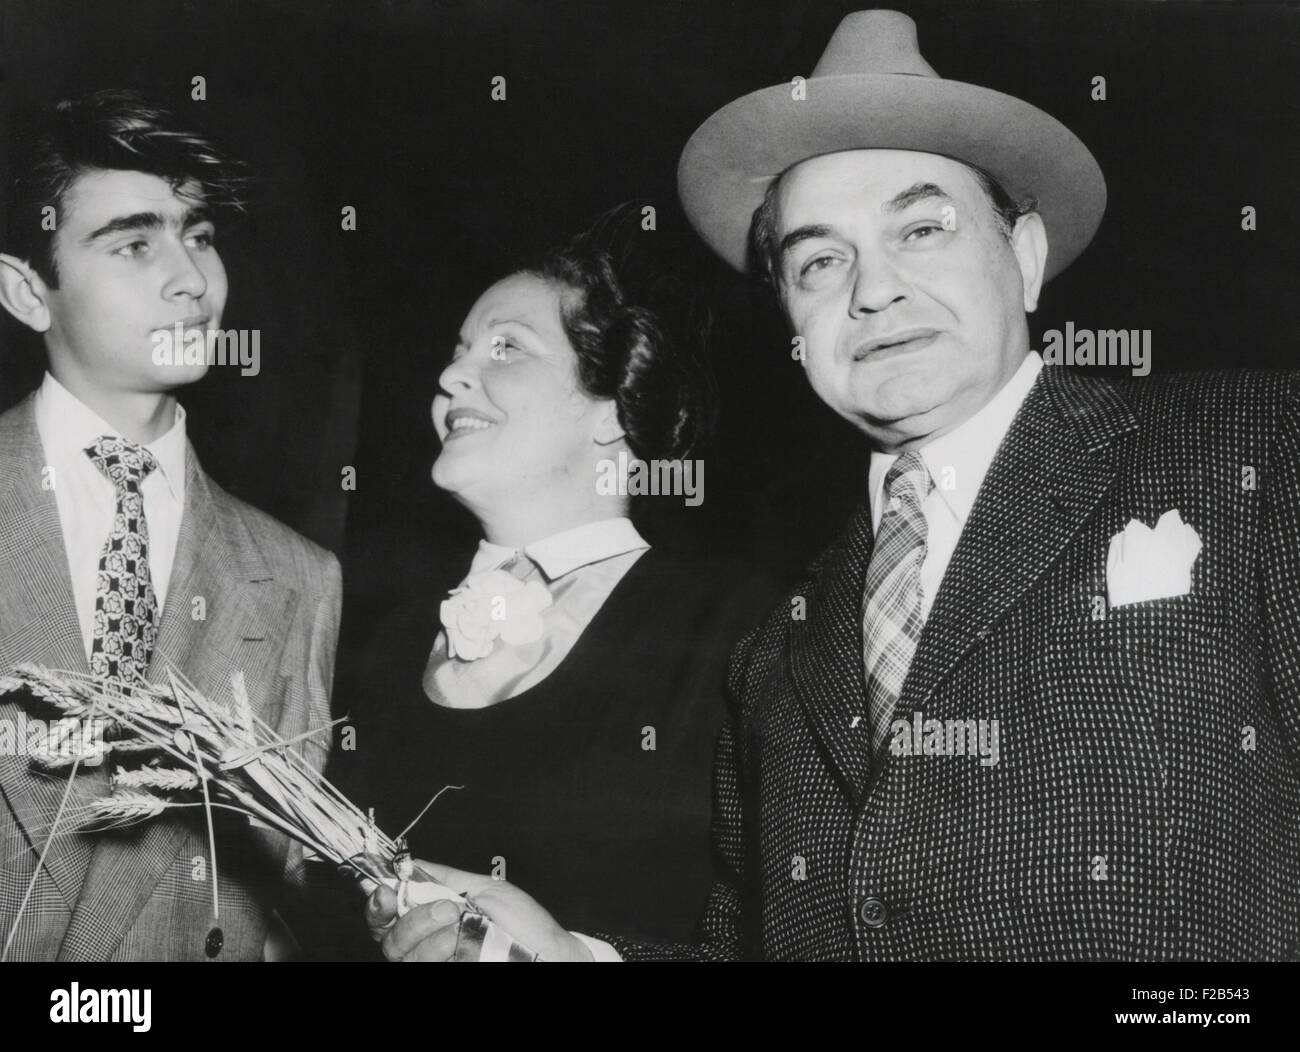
(877, 287)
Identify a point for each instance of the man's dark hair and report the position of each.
(109, 130)
(763, 248)
(638, 334)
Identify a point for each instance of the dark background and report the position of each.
(385, 105)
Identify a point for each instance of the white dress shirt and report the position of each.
(562, 553)
(957, 462)
(87, 499)
(580, 567)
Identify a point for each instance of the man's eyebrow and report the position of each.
(915, 192)
(147, 221)
(802, 233)
(904, 199)
(194, 215)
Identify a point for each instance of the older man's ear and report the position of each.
(1029, 242)
(22, 293)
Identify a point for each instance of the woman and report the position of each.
(575, 685)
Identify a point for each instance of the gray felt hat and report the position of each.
(873, 90)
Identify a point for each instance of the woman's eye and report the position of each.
(502, 347)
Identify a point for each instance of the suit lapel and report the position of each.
(1050, 472)
(225, 611)
(220, 573)
(1052, 469)
(826, 660)
(38, 623)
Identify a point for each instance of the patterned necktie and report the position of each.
(891, 603)
(126, 609)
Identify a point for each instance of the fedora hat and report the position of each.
(873, 90)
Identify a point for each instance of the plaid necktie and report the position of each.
(891, 599)
(126, 609)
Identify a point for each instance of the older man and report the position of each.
(1041, 699)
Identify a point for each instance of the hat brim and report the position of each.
(729, 162)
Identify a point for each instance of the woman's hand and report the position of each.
(429, 932)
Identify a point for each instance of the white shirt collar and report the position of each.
(67, 426)
(564, 552)
(959, 460)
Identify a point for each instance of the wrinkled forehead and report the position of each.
(836, 186)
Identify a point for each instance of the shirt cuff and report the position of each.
(602, 952)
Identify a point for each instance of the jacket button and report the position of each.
(214, 942)
(874, 913)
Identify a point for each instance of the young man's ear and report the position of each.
(23, 294)
(608, 429)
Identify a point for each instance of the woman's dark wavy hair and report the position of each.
(113, 130)
(638, 333)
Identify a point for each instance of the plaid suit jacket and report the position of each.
(270, 608)
(1146, 801)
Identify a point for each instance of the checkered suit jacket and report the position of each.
(1146, 802)
(272, 605)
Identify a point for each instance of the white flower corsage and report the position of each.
(491, 604)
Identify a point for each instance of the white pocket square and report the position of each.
(1147, 564)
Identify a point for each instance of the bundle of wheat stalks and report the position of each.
(172, 747)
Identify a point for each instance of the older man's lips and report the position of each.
(895, 344)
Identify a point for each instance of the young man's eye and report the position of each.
(132, 249)
(203, 238)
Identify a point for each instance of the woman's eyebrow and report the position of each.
(513, 321)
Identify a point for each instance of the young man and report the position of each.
(118, 554)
